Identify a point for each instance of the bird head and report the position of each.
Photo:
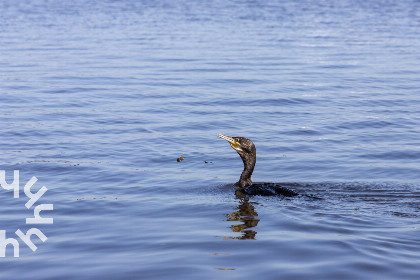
(246, 150)
(244, 146)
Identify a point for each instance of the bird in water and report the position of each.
(246, 150)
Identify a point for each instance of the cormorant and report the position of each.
(246, 150)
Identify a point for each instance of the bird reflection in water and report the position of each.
(246, 214)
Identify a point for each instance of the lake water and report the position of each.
(99, 98)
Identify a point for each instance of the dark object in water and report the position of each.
(246, 150)
(267, 189)
(181, 158)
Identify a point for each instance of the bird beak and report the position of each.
(234, 144)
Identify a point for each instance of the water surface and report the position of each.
(99, 98)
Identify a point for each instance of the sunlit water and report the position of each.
(99, 98)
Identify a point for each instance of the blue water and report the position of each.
(99, 98)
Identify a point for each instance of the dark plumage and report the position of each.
(246, 150)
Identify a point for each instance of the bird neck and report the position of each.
(249, 164)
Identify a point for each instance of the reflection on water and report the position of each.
(246, 214)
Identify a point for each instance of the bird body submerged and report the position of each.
(268, 189)
(246, 150)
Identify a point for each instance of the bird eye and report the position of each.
(237, 139)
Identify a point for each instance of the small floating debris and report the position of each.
(207, 161)
(181, 158)
(220, 254)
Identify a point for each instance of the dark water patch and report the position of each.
(367, 124)
(394, 155)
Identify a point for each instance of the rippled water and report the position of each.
(99, 98)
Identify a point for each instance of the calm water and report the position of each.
(99, 98)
